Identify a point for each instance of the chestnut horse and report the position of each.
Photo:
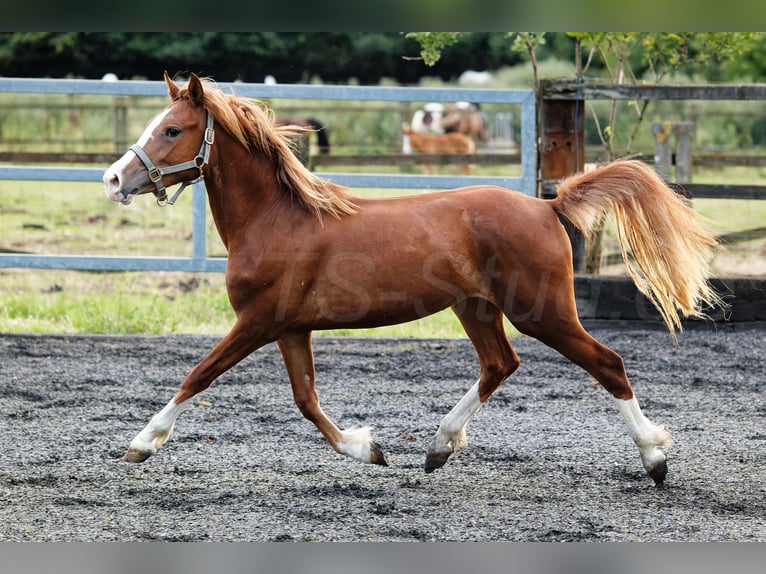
(447, 144)
(301, 258)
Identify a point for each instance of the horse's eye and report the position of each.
(172, 132)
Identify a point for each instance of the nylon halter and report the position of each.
(199, 162)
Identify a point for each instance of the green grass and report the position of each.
(68, 302)
(50, 301)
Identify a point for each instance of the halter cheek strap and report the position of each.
(199, 162)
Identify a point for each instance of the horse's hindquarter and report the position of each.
(404, 258)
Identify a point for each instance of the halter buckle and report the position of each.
(209, 136)
(155, 175)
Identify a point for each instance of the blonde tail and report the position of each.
(669, 244)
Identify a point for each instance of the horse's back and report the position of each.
(510, 221)
(481, 219)
(494, 207)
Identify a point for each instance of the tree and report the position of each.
(625, 57)
(660, 53)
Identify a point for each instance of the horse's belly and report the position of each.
(372, 304)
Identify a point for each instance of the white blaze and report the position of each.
(117, 169)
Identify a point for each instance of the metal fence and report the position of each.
(199, 261)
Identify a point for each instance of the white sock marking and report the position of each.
(649, 437)
(157, 432)
(356, 443)
(451, 433)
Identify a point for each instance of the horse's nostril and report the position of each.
(112, 185)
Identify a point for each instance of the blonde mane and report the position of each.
(251, 123)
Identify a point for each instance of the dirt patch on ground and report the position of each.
(548, 459)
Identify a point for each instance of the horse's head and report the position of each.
(173, 149)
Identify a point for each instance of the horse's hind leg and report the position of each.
(299, 360)
(483, 322)
(559, 328)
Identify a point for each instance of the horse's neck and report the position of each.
(240, 188)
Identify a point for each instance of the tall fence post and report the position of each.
(405, 116)
(663, 151)
(562, 153)
(684, 137)
(678, 148)
(120, 124)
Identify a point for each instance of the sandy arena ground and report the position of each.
(548, 459)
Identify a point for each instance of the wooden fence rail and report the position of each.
(561, 97)
(590, 90)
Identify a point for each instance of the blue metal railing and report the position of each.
(199, 262)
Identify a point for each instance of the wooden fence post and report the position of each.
(663, 152)
(120, 112)
(404, 118)
(684, 136)
(562, 152)
(680, 147)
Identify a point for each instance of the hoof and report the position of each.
(658, 473)
(377, 456)
(436, 460)
(134, 455)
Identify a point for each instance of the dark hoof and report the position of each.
(658, 473)
(436, 460)
(377, 456)
(136, 455)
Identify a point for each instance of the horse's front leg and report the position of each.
(299, 360)
(234, 347)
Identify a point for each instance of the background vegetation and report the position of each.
(333, 57)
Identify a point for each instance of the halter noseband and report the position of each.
(200, 161)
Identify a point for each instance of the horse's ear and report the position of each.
(173, 88)
(195, 89)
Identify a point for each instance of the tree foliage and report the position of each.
(627, 57)
(334, 57)
(653, 55)
(367, 57)
(433, 43)
(645, 56)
